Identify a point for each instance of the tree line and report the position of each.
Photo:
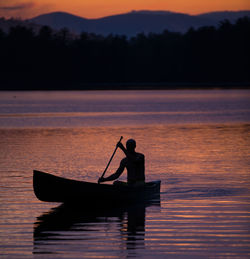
(59, 60)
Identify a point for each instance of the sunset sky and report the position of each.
(99, 8)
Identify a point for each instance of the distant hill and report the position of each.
(59, 20)
(216, 17)
(131, 23)
(128, 24)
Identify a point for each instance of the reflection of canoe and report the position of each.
(69, 223)
(65, 217)
(52, 188)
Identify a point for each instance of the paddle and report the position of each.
(110, 160)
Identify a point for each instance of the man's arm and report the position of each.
(114, 176)
(120, 145)
(132, 157)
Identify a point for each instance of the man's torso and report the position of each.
(135, 168)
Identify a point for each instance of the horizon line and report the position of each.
(121, 13)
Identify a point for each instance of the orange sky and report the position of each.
(100, 8)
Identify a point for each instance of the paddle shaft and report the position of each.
(111, 159)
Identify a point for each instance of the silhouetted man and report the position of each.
(134, 162)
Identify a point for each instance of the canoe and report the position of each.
(51, 188)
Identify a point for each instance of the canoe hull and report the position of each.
(50, 188)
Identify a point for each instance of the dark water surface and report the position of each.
(196, 142)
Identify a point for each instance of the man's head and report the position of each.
(131, 145)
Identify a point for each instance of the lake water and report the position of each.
(196, 142)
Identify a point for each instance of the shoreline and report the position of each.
(129, 86)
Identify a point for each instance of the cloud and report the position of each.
(17, 7)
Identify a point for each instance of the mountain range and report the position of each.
(136, 22)
(128, 24)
